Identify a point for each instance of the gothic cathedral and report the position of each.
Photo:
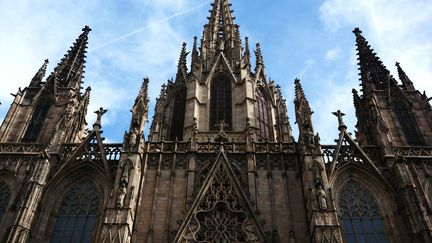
(220, 163)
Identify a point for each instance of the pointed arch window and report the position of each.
(5, 195)
(178, 114)
(360, 214)
(77, 215)
(220, 102)
(263, 116)
(37, 121)
(407, 123)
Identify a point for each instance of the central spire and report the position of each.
(221, 33)
(221, 19)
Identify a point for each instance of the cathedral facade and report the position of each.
(220, 163)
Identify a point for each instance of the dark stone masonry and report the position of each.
(220, 163)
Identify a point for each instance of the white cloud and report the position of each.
(43, 30)
(333, 54)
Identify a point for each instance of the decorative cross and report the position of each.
(222, 125)
(99, 113)
(340, 116)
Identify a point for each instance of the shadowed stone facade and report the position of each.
(220, 163)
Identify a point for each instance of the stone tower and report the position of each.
(220, 163)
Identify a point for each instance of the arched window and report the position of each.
(263, 116)
(407, 123)
(37, 121)
(360, 215)
(178, 115)
(5, 194)
(77, 214)
(220, 103)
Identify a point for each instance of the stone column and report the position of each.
(26, 212)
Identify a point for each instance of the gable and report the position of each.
(221, 211)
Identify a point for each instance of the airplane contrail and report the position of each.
(148, 26)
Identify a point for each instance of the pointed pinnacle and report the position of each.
(406, 81)
(73, 62)
(299, 93)
(195, 51)
(372, 69)
(143, 93)
(183, 56)
(259, 57)
(37, 79)
(220, 19)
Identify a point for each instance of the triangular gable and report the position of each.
(260, 74)
(348, 151)
(221, 211)
(221, 62)
(91, 150)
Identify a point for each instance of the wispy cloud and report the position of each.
(333, 54)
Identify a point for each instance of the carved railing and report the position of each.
(112, 151)
(414, 151)
(347, 153)
(21, 148)
(212, 147)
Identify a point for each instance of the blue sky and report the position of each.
(311, 40)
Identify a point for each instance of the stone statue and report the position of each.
(121, 194)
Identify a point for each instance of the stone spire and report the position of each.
(71, 68)
(406, 81)
(220, 32)
(195, 53)
(374, 75)
(37, 79)
(143, 93)
(221, 20)
(181, 67)
(247, 53)
(183, 55)
(299, 93)
(302, 109)
(259, 57)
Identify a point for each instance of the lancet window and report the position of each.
(77, 215)
(263, 116)
(178, 115)
(5, 194)
(360, 215)
(407, 123)
(220, 103)
(37, 121)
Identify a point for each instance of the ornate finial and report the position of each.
(357, 31)
(97, 125)
(340, 116)
(86, 29)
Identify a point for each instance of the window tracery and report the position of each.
(263, 116)
(220, 102)
(360, 214)
(37, 121)
(77, 215)
(5, 194)
(178, 115)
(407, 123)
